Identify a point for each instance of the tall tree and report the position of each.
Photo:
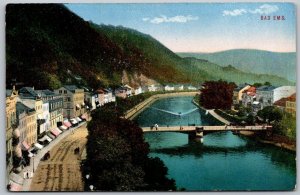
(217, 94)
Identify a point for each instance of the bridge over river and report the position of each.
(198, 131)
(206, 128)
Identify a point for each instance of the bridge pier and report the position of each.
(197, 135)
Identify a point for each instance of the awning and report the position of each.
(63, 127)
(14, 187)
(87, 107)
(77, 105)
(30, 155)
(55, 132)
(82, 103)
(255, 102)
(46, 137)
(73, 121)
(78, 119)
(38, 146)
(25, 146)
(67, 123)
(51, 136)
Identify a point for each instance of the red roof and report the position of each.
(250, 90)
(292, 98)
(281, 102)
(100, 91)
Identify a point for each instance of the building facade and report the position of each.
(265, 95)
(73, 100)
(249, 96)
(27, 125)
(290, 106)
(11, 125)
(238, 92)
(55, 102)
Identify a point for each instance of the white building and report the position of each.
(138, 90)
(169, 88)
(190, 87)
(152, 88)
(283, 92)
(129, 90)
(265, 95)
(179, 87)
(46, 116)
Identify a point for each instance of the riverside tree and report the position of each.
(117, 156)
(217, 94)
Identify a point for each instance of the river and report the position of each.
(224, 161)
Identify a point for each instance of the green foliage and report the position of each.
(257, 85)
(270, 113)
(217, 95)
(286, 126)
(53, 81)
(117, 155)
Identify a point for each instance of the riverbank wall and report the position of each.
(133, 112)
(275, 140)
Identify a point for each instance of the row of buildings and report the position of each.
(35, 117)
(126, 90)
(259, 97)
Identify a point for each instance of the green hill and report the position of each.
(47, 45)
(255, 61)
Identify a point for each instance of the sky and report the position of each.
(202, 27)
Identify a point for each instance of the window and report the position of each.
(60, 91)
(69, 99)
(65, 91)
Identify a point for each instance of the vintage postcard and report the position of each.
(151, 97)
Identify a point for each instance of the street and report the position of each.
(61, 172)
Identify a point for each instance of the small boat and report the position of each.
(206, 112)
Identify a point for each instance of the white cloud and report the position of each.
(175, 19)
(265, 9)
(236, 12)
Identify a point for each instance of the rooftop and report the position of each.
(71, 87)
(265, 88)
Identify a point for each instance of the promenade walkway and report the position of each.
(218, 117)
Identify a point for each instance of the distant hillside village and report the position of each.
(36, 117)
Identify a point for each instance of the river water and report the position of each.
(222, 162)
